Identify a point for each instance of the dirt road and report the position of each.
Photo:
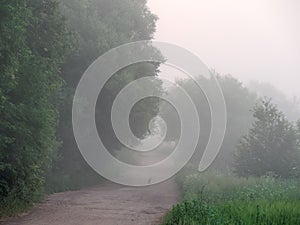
(108, 204)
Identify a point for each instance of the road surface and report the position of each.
(108, 204)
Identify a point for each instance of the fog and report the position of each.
(149, 112)
(251, 40)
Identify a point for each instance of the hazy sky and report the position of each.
(252, 40)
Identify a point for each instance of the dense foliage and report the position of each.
(239, 102)
(271, 146)
(34, 41)
(45, 46)
(98, 27)
(262, 194)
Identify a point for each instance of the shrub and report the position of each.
(272, 145)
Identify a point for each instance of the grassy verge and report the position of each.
(226, 200)
(11, 205)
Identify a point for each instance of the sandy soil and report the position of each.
(108, 204)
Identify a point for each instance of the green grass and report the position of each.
(11, 205)
(220, 188)
(226, 200)
(258, 212)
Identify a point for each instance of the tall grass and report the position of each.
(227, 200)
(219, 188)
(258, 212)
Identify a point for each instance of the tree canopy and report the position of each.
(34, 42)
(98, 27)
(271, 145)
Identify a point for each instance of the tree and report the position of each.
(101, 25)
(239, 101)
(34, 41)
(290, 107)
(272, 145)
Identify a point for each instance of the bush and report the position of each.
(272, 145)
(33, 43)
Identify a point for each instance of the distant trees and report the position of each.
(290, 107)
(40, 69)
(239, 102)
(271, 145)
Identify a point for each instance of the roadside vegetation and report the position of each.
(264, 186)
(227, 200)
(45, 47)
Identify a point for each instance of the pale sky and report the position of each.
(252, 40)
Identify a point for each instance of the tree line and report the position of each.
(45, 46)
(260, 137)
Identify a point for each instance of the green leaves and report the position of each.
(35, 40)
(29, 77)
(100, 25)
(272, 144)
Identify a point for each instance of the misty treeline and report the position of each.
(45, 46)
(262, 135)
(271, 146)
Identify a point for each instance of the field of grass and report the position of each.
(226, 200)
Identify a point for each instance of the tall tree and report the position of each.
(101, 25)
(33, 43)
(239, 101)
(290, 107)
(272, 145)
